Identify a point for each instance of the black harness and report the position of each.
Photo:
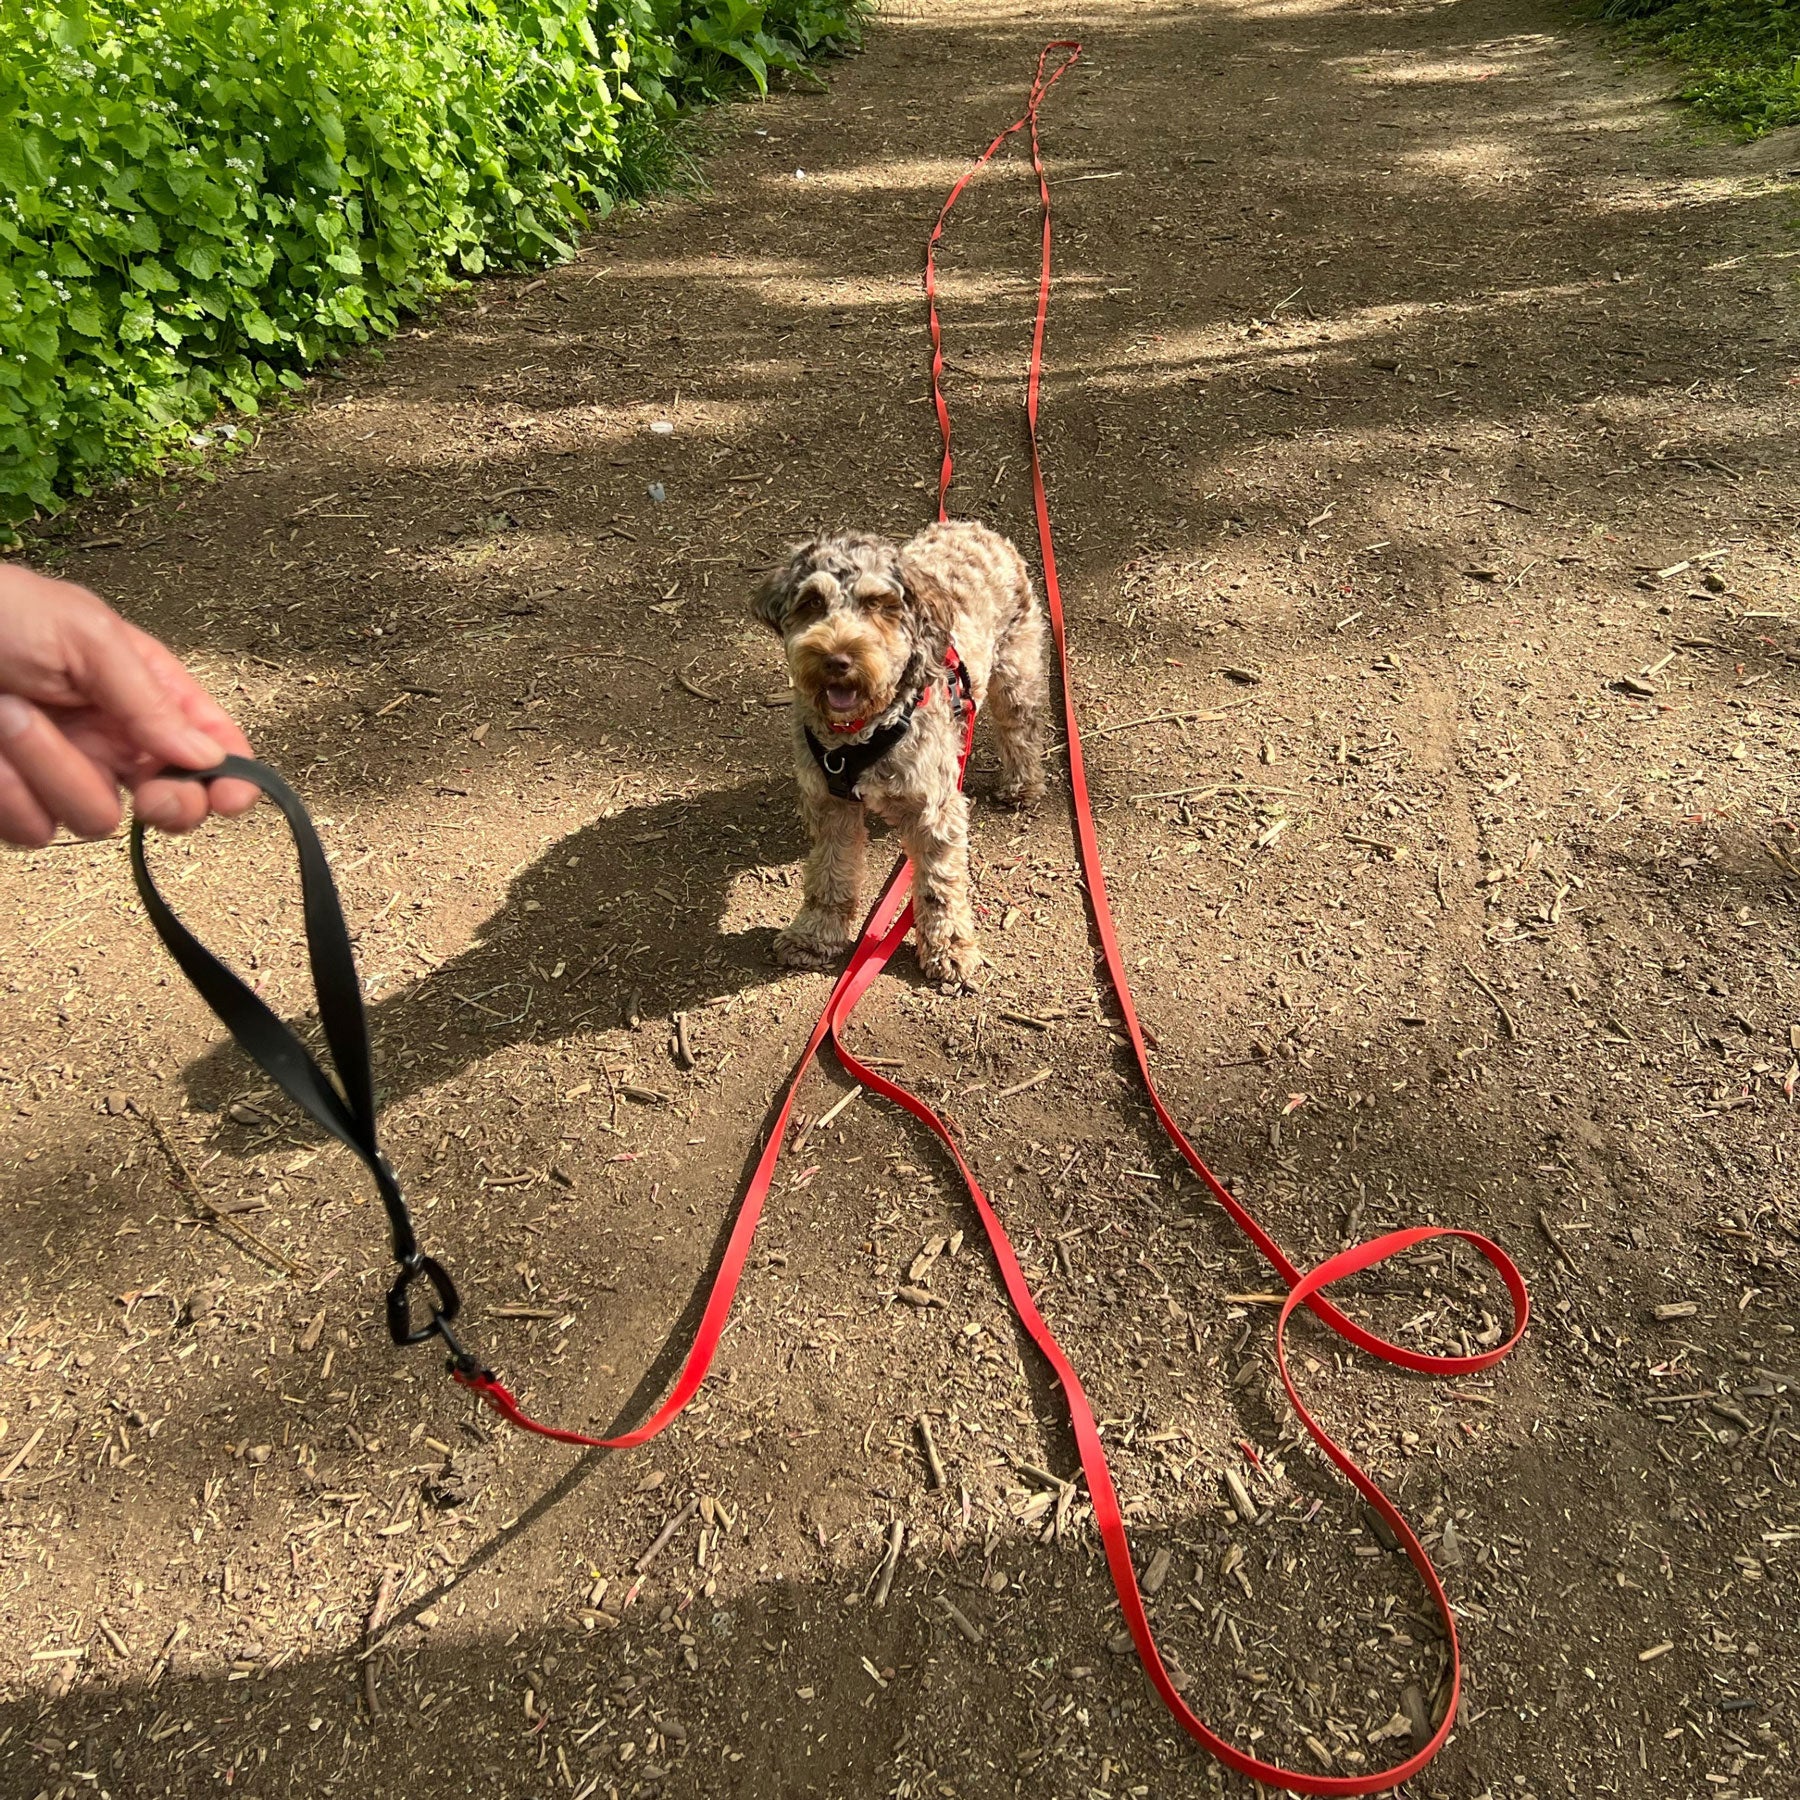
(844, 765)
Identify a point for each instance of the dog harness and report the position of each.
(844, 765)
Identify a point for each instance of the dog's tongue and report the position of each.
(840, 699)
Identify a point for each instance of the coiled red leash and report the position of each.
(350, 1115)
(1304, 1289)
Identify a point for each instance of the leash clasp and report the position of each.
(445, 1303)
(464, 1364)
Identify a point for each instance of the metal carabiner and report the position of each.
(445, 1301)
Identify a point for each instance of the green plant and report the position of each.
(1745, 54)
(201, 198)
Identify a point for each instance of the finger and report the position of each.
(195, 704)
(204, 712)
(233, 797)
(109, 663)
(68, 786)
(169, 803)
(22, 820)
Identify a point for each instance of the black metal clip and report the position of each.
(462, 1361)
(445, 1302)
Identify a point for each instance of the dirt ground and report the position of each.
(1420, 416)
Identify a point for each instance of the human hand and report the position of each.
(88, 703)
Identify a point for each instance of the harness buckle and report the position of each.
(445, 1303)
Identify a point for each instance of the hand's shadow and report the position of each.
(627, 911)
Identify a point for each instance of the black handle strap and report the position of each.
(347, 1109)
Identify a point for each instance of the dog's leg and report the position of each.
(1019, 704)
(937, 840)
(828, 915)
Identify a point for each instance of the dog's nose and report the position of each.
(839, 665)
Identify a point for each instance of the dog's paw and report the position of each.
(811, 943)
(1019, 794)
(951, 963)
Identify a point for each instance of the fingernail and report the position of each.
(204, 752)
(15, 715)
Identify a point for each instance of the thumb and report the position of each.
(107, 665)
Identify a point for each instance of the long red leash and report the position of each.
(886, 929)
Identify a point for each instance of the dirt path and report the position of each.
(1406, 360)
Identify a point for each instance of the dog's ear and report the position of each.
(932, 614)
(774, 594)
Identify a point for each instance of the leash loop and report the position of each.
(344, 1109)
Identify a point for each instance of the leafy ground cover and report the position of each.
(1745, 54)
(201, 198)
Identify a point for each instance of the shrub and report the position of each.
(1745, 54)
(200, 198)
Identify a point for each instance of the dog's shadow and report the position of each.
(628, 916)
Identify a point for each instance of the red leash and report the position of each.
(883, 934)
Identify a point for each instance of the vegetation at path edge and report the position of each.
(1744, 54)
(201, 198)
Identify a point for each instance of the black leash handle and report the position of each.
(345, 1110)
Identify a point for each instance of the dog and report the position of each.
(868, 628)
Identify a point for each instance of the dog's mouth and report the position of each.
(841, 700)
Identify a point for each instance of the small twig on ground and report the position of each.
(1240, 1497)
(1372, 843)
(933, 1463)
(1555, 1241)
(17, 1459)
(661, 1543)
(245, 1238)
(1506, 1019)
(960, 1620)
(1167, 718)
(884, 1576)
(161, 1666)
(1019, 1087)
(384, 1604)
(824, 1119)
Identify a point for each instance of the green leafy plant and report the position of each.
(201, 198)
(1745, 54)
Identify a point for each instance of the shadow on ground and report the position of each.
(1374, 327)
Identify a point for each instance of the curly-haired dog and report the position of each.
(868, 626)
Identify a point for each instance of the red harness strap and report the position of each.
(886, 929)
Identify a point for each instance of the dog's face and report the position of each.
(853, 630)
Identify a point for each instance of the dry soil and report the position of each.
(1420, 420)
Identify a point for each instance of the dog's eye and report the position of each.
(809, 604)
(879, 596)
